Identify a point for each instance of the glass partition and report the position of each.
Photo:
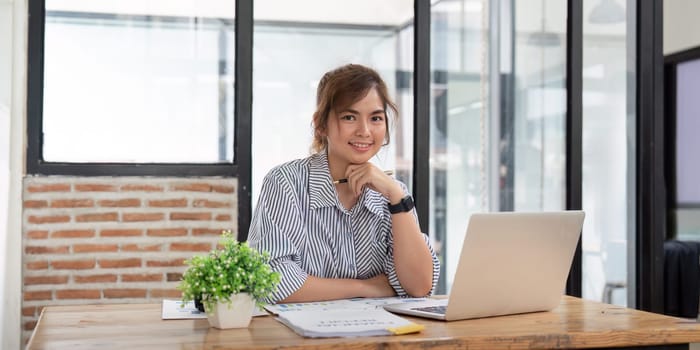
(296, 43)
(497, 114)
(608, 155)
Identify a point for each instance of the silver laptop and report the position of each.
(510, 263)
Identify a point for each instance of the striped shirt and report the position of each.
(300, 221)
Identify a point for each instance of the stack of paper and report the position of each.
(347, 323)
(357, 317)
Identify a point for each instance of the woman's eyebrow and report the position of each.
(350, 110)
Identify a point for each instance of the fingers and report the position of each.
(361, 175)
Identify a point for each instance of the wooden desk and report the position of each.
(576, 323)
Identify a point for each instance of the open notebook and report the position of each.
(510, 263)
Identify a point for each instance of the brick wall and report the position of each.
(116, 239)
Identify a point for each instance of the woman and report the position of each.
(334, 239)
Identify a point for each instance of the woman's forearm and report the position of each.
(319, 289)
(412, 258)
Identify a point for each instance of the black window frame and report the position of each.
(241, 167)
(37, 165)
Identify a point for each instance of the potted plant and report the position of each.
(229, 282)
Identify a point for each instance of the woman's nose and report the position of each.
(362, 128)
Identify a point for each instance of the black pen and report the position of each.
(342, 181)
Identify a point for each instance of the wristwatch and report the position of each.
(404, 205)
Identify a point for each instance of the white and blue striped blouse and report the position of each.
(307, 231)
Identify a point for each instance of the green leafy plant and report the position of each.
(233, 268)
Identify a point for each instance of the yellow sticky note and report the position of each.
(407, 329)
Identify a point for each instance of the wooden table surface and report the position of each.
(575, 323)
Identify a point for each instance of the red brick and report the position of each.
(72, 203)
(29, 311)
(73, 264)
(223, 217)
(38, 265)
(190, 216)
(73, 234)
(37, 234)
(120, 203)
(96, 217)
(168, 203)
(141, 247)
(30, 204)
(190, 247)
(121, 233)
(78, 294)
(45, 280)
(192, 187)
(38, 295)
(120, 263)
(95, 278)
(173, 277)
(207, 231)
(223, 189)
(95, 188)
(88, 248)
(48, 188)
(153, 277)
(63, 249)
(166, 293)
(47, 219)
(166, 232)
(210, 204)
(141, 188)
(165, 263)
(130, 217)
(29, 325)
(125, 293)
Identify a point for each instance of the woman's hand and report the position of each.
(367, 174)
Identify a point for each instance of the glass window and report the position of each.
(608, 157)
(139, 81)
(296, 43)
(497, 114)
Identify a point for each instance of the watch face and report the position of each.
(406, 204)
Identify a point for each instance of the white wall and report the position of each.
(681, 27)
(13, 15)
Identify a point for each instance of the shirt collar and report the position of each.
(322, 190)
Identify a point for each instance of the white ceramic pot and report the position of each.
(234, 315)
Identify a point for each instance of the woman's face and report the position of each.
(356, 133)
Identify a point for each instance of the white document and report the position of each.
(342, 304)
(347, 323)
(174, 310)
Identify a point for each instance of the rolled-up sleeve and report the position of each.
(274, 218)
(390, 268)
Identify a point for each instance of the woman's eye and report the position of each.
(377, 118)
(348, 117)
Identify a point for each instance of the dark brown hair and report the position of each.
(339, 89)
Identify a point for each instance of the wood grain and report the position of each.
(575, 323)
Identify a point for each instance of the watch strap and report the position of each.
(404, 205)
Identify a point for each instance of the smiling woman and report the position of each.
(333, 240)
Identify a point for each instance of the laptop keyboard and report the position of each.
(434, 309)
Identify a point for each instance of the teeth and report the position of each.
(361, 145)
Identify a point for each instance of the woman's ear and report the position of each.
(319, 130)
